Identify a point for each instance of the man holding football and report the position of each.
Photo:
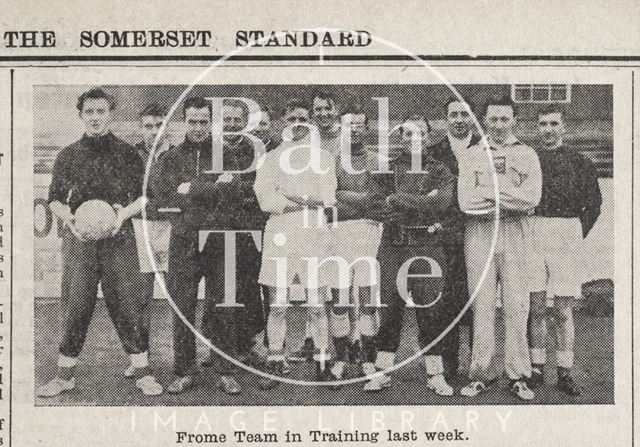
(99, 170)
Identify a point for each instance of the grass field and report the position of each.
(100, 381)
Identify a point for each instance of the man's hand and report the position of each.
(304, 201)
(68, 220)
(225, 178)
(184, 188)
(119, 219)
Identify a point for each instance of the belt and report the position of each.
(415, 235)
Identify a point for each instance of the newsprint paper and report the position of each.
(230, 223)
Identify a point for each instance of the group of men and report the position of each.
(366, 233)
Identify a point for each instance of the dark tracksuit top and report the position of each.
(456, 289)
(424, 204)
(154, 179)
(211, 206)
(362, 160)
(569, 187)
(103, 168)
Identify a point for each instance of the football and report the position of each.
(95, 219)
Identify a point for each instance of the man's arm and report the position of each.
(270, 198)
(476, 196)
(591, 198)
(169, 179)
(63, 212)
(523, 190)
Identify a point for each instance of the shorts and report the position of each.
(352, 240)
(290, 250)
(558, 254)
(159, 232)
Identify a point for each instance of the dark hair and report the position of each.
(500, 100)
(196, 102)
(325, 96)
(154, 109)
(415, 117)
(268, 111)
(357, 109)
(96, 93)
(551, 108)
(295, 103)
(453, 99)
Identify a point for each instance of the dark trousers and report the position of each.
(455, 293)
(431, 321)
(113, 263)
(232, 329)
(224, 326)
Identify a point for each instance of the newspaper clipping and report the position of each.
(331, 224)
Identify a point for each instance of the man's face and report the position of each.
(198, 122)
(415, 134)
(296, 117)
(499, 122)
(551, 127)
(459, 119)
(150, 127)
(324, 113)
(96, 115)
(234, 119)
(357, 127)
(263, 128)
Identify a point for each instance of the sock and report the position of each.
(338, 368)
(385, 360)
(537, 368)
(367, 325)
(66, 367)
(565, 359)
(433, 364)
(538, 356)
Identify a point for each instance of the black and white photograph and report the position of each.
(315, 244)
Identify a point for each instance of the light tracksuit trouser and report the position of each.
(508, 266)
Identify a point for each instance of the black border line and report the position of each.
(257, 57)
(633, 132)
(11, 270)
(583, 65)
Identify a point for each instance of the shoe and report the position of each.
(567, 385)
(285, 368)
(335, 374)
(305, 354)
(149, 386)
(268, 383)
(55, 387)
(473, 389)
(130, 371)
(355, 352)
(368, 369)
(229, 385)
(439, 385)
(536, 380)
(253, 360)
(180, 385)
(520, 389)
(377, 383)
(323, 374)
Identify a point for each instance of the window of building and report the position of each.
(541, 93)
